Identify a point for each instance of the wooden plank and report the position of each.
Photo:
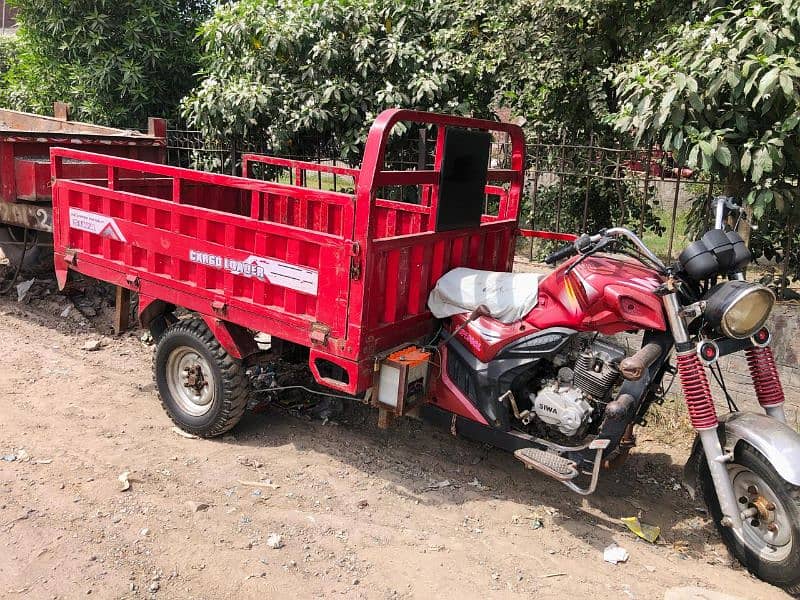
(122, 310)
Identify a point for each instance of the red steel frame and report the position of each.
(376, 259)
(25, 142)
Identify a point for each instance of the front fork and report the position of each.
(702, 411)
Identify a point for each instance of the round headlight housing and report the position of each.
(738, 309)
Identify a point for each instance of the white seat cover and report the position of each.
(508, 296)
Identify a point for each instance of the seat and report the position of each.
(508, 296)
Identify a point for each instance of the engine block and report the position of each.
(562, 407)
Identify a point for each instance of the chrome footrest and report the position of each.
(548, 463)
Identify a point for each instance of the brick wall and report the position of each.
(785, 326)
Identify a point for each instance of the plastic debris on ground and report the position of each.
(615, 554)
(438, 486)
(182, 433)
(649, 533)
(23, 289)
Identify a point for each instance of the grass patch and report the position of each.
(660, 243)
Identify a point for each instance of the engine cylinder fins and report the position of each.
(594, 375)
(548, 463)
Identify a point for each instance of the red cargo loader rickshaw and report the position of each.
(411, 307)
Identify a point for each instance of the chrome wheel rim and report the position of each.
(766, 526)
(190, 380)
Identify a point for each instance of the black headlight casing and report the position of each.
(737, 309)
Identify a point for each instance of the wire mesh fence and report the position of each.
(570, 187)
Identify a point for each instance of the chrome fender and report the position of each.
(776, 441)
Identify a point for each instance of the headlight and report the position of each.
(738, 309)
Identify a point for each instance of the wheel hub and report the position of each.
(191, 382)
(766, 527)
(193, 378)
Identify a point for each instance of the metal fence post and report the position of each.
(674, 211)
(707, 203)
(617, 186)
(561, 160)
(535, 191)
(585, 219)
(422, 153)
(646, 187)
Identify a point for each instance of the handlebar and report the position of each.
(585, 241)
(561, 254)
(572, 249)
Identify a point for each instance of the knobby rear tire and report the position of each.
(231, 384)
(783, 573)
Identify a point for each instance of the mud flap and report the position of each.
(236, 340)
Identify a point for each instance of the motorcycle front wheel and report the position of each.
(769, 543)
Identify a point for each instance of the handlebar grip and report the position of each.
(561, 253)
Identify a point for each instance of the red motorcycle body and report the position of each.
(606, 294)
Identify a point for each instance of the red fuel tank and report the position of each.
(604, 293)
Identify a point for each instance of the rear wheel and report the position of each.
(769, 542)
(203, 388)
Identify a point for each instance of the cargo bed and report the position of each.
(346, 275)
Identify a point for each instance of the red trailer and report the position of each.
(25, 185)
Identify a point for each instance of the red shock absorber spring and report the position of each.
(697, 392)
(769, 390)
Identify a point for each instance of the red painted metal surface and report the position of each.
(347, 275)
(447, 396)
(485, 337)
(764, 372)
(603, 293)
(548, 235)
(26, 139)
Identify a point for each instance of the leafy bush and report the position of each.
(9, 51)
(722, 93)
(278, 70)
(549, 60)
(115, 61)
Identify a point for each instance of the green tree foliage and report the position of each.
(278, 71)
(115, 61)
(288, 67)
(550, 60)
(722, 93)
(8, 53)
(9, 49)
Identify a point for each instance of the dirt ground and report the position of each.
(361, 513)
